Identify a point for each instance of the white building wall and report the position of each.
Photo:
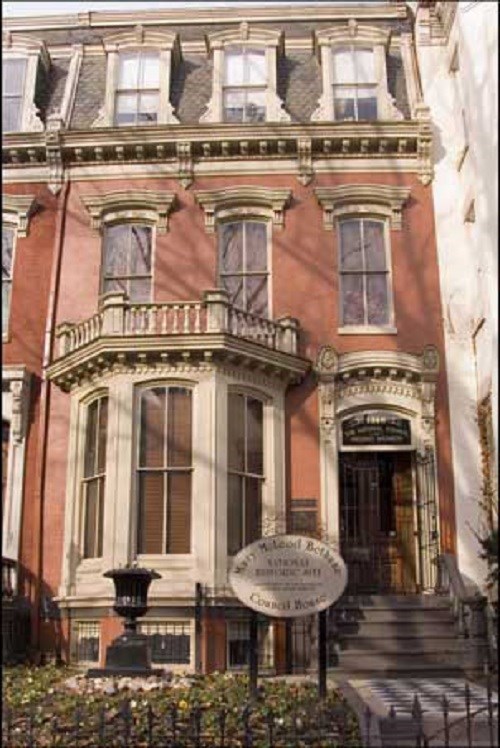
(459, 77)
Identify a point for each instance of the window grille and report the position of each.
(170, 641)
(87, 641)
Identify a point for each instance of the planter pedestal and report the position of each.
(129, 654)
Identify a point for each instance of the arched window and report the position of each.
(164, 470)
(94, 476)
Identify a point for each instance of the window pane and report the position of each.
(343, 66)
(236, 426)
(115, 285)
(255, 457)
(373, 232)
(231, 243)
(234, 514)
(90, 440)
(179, 427)
(367, 104)
(255, 108)
(102, 435)
(152, 451)
(256, 295)
(351, 256)
(126, 109)
(234, 287)
(129, 71)
(7, 247)
(256, 246)
(256, 68)
(148, 109)
(91, 503)
(150, 71)
(5, 459)
(253, 530)
(234, 103)
(140, 248)
(116, 250)
(344, 102)
(378, 308)
(11, 114)
(179, 513)
(151, 513)
(13, 77)
(233, 65)
(365, 65)
(139, 290)
(352, 300)
(5, 305)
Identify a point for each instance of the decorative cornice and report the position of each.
(145, 38)
(16, 210)
(245, 34)
(248, 199)
(154, 207)
(27, 45)
(360, 199)
(353, 32)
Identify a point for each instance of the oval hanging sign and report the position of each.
(287, 576)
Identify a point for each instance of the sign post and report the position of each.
(288, 576)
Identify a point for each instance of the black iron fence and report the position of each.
(135, 724)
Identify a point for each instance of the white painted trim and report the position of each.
(35, 53)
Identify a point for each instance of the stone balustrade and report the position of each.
(213, 315)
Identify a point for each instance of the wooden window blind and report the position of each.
(246, 470)
(165, 471)
(94, 476)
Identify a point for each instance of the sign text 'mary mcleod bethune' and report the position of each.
(287, 576)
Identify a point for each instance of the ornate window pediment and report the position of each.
(360, 199)
(16, 211)
(244, 84)
(145, 206)
(354, 73)
(139, 69)
(24, 60)
(243, 202)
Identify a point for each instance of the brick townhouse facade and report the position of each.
(222, 314)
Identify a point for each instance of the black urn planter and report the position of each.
(129, 654)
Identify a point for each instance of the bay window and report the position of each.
(364, 273)
(94, 477)
(164, 471)
(245, 470)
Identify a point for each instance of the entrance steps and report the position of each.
(396, 635)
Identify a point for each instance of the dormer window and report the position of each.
(138, 89)
(245, 81)
(244, 86)
(138, 75)
(13, 76)
(355, 84)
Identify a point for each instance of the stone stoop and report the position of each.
(395, 635)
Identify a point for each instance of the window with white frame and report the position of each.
(245, 84)
(94, 477)
(245, 470)
(8, 239)
(87, 641)
(170, 641)
(13, 80)
(164, 470)
(138, 88)
(238, 644)
(5, 458)
(365, 291)
(354, 83)
(243, 264)
(127, 260)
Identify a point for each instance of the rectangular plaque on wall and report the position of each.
(370, 429)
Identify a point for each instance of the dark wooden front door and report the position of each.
(376, 521)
